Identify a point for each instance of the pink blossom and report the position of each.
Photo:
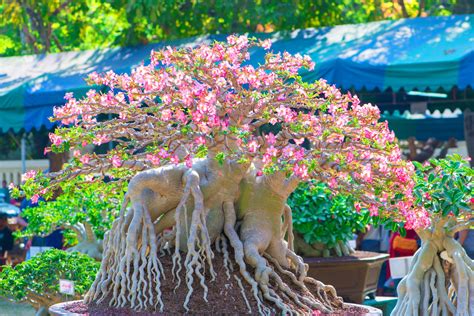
(298, 141)
(253, 146)
(116, 161)
(154, 159)
(55, 139)
(189, 162)
(332, 183)
(174, 159)
(374, 210)
(76, 153)
(271, 139)
(166, 115)
(301, 171)
(28, 175)
(100, 139)
(259, 173)
(272, 151)
(266, 44)
(35, 198)
(201, 140)
(85, 159)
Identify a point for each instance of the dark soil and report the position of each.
(224, 297)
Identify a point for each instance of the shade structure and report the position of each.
(420, 53)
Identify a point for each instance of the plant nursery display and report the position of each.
(36, 281)
(441, 277)
(207, 187)
(324, 223)
(85, 215)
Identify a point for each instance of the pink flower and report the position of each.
(35, 198)
(332, 183)
(101, 139)
(11, 186)
(189, 162)
(166, 115)
(271, 139)
(201, 140)
(174, 159)
(358, 207)
(253, 146)
(374, 210)
(116, 161)
(259, 173)
(85, 159)
(266, 44)
(154, 159)
(55, 139)
(301, 171)
(76, 153)
(272, 151)
(298, 141)
(28, 175)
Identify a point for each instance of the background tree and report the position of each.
(41, 26)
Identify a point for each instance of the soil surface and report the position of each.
(224, 296)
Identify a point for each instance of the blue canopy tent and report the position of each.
(420, 53)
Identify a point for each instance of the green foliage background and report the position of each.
(42, 26)
(321, 217)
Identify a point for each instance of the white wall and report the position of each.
(10, 170)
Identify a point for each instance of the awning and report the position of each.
(420, 53)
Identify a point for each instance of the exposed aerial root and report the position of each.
(130, 268)
(198, 247)
(236, 243)
(430, 289)
(242, 290)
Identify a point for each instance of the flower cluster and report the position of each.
(208, 101)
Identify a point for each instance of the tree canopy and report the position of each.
(43, 26)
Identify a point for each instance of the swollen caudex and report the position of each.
(441, 278)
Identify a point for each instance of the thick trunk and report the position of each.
(440, 281)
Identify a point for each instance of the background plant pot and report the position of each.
(353, 276)
(64, 309)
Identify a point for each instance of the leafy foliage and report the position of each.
(40, 275)
(96, 204)
(445, 187)
(39, 26)
(319, 216)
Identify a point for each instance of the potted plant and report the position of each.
(85, 215)
(324, 224)
(36, 281)
(208, 189)
(441, 276)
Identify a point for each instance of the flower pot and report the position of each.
(63, 309)
(353, 276)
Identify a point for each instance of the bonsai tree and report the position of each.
(324, 223)
(441, 277)
(85, 215)
(36, 281)
(188, 135)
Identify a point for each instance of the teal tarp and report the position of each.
(422, 53)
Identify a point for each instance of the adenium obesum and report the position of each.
(208, 100)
